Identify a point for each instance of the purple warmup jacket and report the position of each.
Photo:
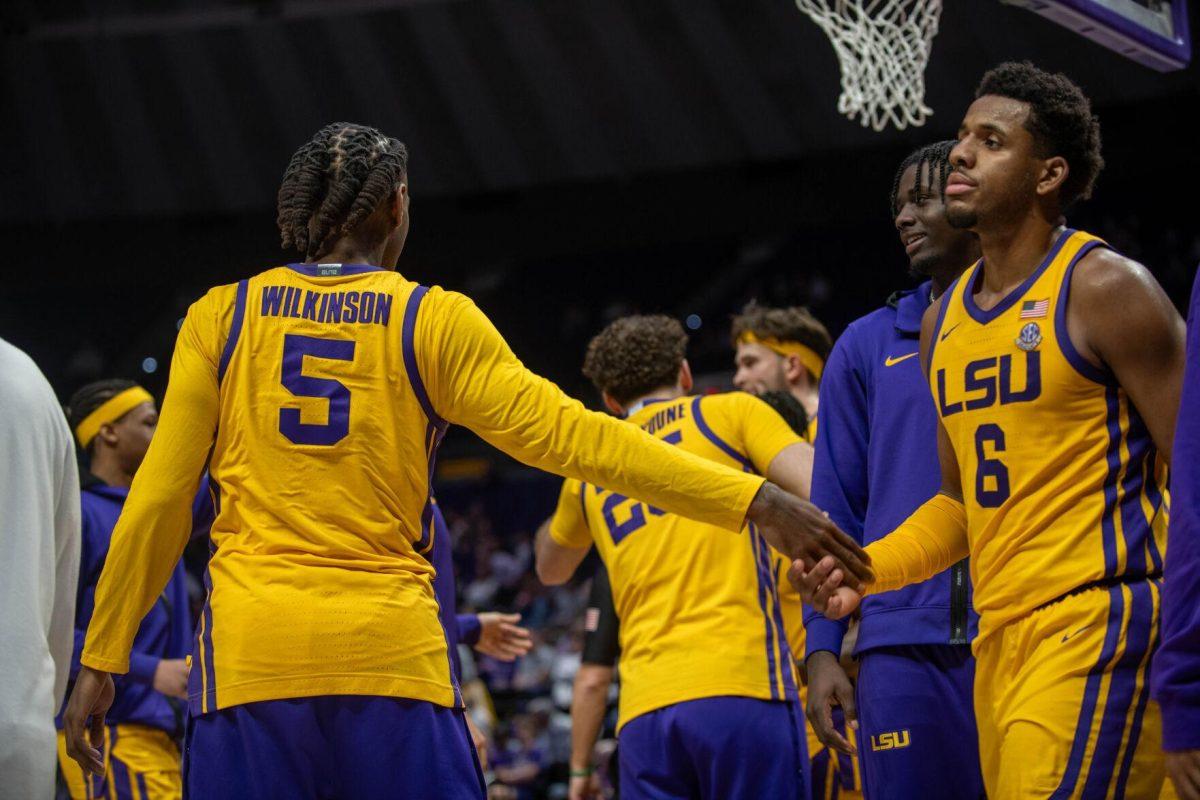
(1176, 670)
(876, 462)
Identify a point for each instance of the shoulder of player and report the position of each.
(1105, 284)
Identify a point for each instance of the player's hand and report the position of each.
(83, 720)
(171, 677)
(828, 686)
(800, 530)
(501, 637)
(479, 740)
(584, 788)
(821, 587)
(1183, 768)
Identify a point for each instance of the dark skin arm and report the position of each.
(822, 587)
(1118, 316)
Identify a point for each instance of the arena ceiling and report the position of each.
(177, 108)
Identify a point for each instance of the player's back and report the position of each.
(320, 471)
(698, 605)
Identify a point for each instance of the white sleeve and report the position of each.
(39, 540)
(67, 524)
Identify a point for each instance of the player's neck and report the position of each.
(105, 467)
(1011, 253)
(665, 393)
(346, 251)
(807, 398)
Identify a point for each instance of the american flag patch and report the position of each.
(1034, 309)
(591, 620)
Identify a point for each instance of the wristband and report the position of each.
(583, 773)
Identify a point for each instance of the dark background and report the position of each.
(571, 160)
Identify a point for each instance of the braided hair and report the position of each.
(336, 180)
(933, 167)
(91, 396)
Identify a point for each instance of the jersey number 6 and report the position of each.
(295, 348)
(990, 467)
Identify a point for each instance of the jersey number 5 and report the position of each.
(295, 348)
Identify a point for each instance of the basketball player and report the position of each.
(781, 350)
(876, 462)
(780, 355)
(708, 705)
(321, 390)
(1177, 663)
(114, 421)
(1055, 366)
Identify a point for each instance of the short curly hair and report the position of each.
(794, 324)
(1060, 119)
(635, 355)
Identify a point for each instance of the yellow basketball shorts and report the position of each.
(1062, 699)
(140, 763)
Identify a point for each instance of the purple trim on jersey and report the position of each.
(784, 647)
(141, 782)
(314, 270)
(976, 275)
(763, 602)
(711, 435)
(1133, 519)
(1113, 458)
(206, 642)
(410, 355)
(1084, 367)
(235, 330)
(947, 298)
(1122, 685)
(1091, 693)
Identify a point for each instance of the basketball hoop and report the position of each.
(882, 47)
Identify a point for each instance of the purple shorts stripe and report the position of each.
(1091, 692)
(1122, 687)
(1135, 728)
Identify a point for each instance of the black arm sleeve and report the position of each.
(601, 645)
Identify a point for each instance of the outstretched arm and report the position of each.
(476, 381)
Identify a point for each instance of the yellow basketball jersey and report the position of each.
(1061, 481)
(315, 356)
(322, 391)
(699, 608)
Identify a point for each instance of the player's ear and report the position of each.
(612, 405)
(793, 370)
(108, 434)
(685, 377)
(399, 204)
(1054, 172)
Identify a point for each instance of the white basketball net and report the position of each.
(882, 47)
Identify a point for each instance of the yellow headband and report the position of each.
(808, 357)
(112, 410)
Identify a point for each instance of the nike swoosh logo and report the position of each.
(947, 333)
(891, 362)
(1068, 636)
